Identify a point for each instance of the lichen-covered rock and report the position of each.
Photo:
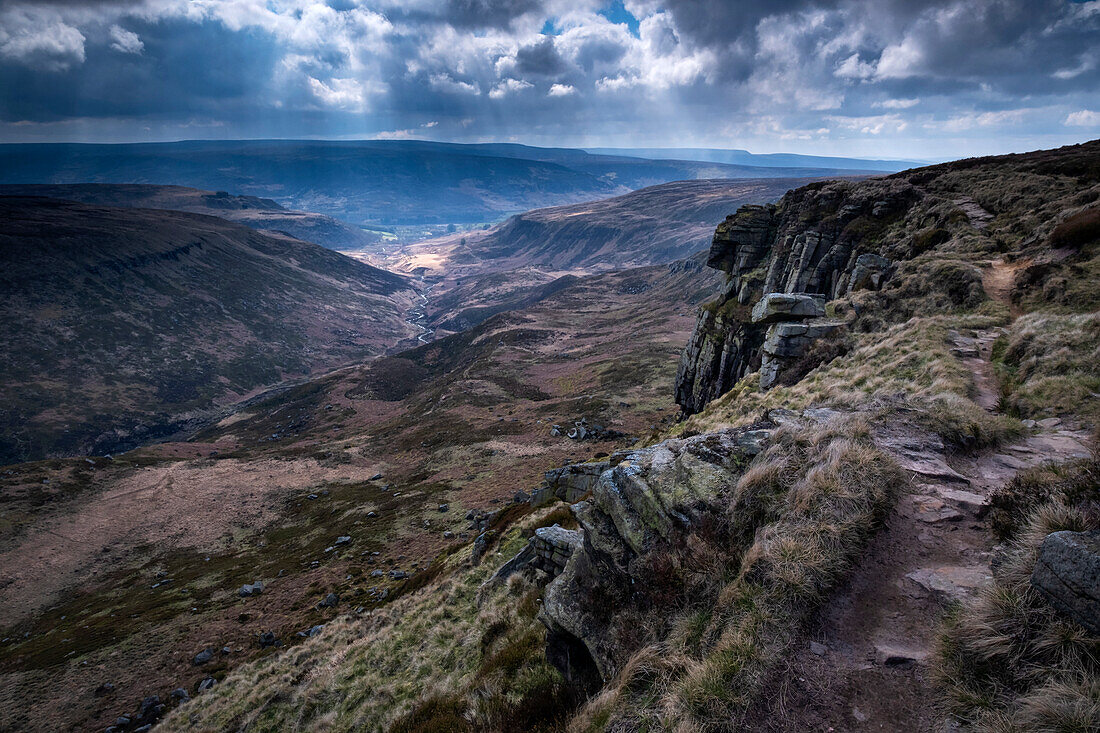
(1067, 574)
(777, 307)
(549, 550)
(652, 499)
(814, 242)
(554, 546)
(786, 342)
(570, 483)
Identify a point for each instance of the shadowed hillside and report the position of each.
(254, 212)
(119, 323)
(652, 225)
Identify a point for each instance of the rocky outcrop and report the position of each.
(777, 307)
(549, 549)
(652, 499)
(785, 343)
(813, 246)
(1067, 574)
(569, 483)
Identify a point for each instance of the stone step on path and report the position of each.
(864, 664)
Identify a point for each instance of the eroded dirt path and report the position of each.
(999, 279)
(863, 664)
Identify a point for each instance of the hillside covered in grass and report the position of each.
(818, 551)
(119, 325)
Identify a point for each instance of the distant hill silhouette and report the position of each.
(374, 181)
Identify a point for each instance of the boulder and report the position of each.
(202, 657)
(1067, 575)
(329, 601)
(869, 272)
(570, 483)
(553, 546)
(251, 589)
(777, 307)
(651, 500)
(481, 546)
(786, 342)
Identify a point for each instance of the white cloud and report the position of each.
(900, 60)
(444, 83)
(971, 121)
(1083, 118)
(614, 84)
(509, 86)
(125, 41)
(870, 125)
(38, 37)
(346, 94)
(853, 68)
(897, 103)
(561, 90)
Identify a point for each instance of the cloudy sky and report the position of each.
(915, 78)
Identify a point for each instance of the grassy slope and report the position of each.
(465, 420)
(118, 322)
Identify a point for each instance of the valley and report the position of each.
(529, 477)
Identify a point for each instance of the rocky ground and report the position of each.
(863, 663)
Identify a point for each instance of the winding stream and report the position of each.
(419, 313)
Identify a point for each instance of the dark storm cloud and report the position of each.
(487, 13)
(540, 59)
(184, 69)
(789, 71)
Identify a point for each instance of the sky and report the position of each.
(920, 79)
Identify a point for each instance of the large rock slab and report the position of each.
(786, 342)
(1067, 574)
(813, 242)
(776, 307)
(949, 582)
(648, 502)
(570, 483)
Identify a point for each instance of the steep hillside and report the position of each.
(118, 324)
(782, 559)
(649, 226)
(135, 565)
(370, 181)
(254, 212)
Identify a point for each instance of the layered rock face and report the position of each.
(644, 501)
(787, 259)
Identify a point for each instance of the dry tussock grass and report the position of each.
(443, 657)
(1007, 660)
(801, 512)
(1050, 365)
(912, 360)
